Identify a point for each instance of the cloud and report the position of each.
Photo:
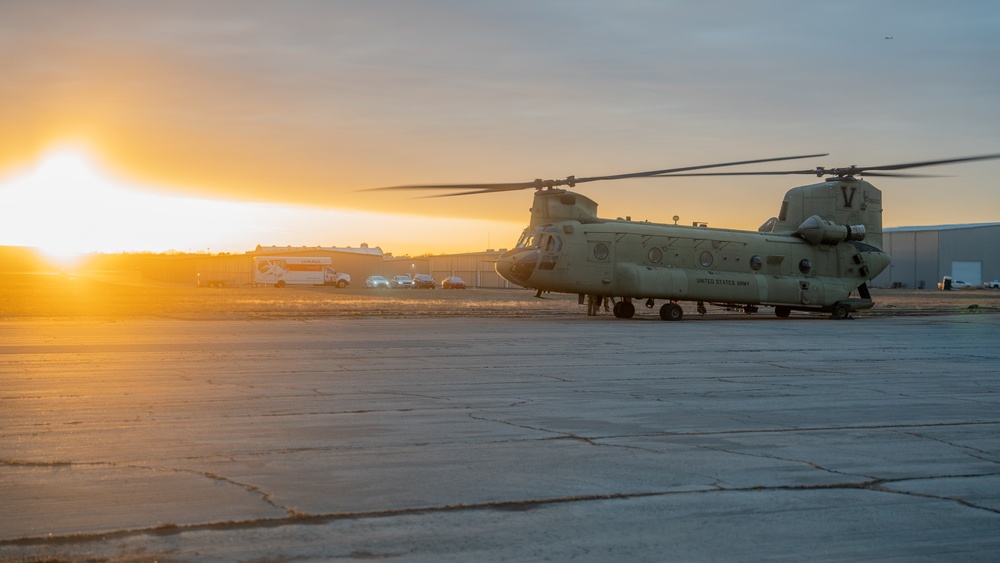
(307, 101)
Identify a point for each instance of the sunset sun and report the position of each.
(60, 202)
(69, 204)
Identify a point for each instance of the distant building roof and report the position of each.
(939, 227)
(363, 249)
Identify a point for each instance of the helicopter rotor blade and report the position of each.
(470, 192)
(687, 168)
(787, 172)
(481, 188)
(851, 171)
(887, 175)
(571, 181)
(768, 173)
(932, 162)
(470, 189)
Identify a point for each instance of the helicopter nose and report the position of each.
(517, 265)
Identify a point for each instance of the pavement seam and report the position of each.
(873, 485)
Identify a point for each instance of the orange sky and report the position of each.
(300, 105)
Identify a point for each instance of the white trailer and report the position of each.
(280, 271)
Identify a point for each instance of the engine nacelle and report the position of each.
(818, 231)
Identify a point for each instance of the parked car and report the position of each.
(453, 283)
(995, 284)
(376, 282)
(424, 281)
(401, 282)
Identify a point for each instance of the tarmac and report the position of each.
(546, 438)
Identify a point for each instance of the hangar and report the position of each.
(921, 256)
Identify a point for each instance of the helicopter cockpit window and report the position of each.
(529, 239)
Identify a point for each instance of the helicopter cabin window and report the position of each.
(805, 266)
(655, 255)
(601, 251)
(706, 259)
(756, 263)
(552, 243)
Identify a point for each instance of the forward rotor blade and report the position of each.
(884, 175)
(686, 168)
(456, 194)
(771, 173)
(486, 188)
(470, 189)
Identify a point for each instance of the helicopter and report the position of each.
(817, 255)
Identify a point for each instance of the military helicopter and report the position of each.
(822, 248)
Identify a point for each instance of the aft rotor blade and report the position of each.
(853, 170)
(819, 172)
(931, 162)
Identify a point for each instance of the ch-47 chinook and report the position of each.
(817, 255)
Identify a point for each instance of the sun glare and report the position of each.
(65, 206)
(68, 205)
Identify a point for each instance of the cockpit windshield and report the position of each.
(545, 238)
(529, 238)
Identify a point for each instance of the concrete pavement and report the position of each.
(528, 439)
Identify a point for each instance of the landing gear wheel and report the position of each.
(841, 312)
(671, 312)
(624, 310)
(782, 312)
(281, 283)
(701, 308)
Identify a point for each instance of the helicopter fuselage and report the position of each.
(816, 267)
(824, 245)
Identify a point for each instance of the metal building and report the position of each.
(921, 256)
